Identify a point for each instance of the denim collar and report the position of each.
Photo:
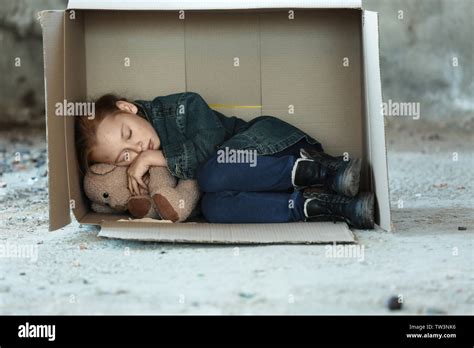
(141, 111)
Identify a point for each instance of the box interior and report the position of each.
(244, 63)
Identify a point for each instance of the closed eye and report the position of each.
(129, 133)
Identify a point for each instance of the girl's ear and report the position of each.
(126, 106)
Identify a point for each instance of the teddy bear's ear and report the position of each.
(102, 168)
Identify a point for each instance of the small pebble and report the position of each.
(462, 228)
(22, 273)
(435, 311)
(40, 163)
(393, 304)
(246, 295)
(3, 184)
(434, 136)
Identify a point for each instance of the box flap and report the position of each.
(375, 119)
(209, 4)
(74, 91)
(288, 233)
(53, 50)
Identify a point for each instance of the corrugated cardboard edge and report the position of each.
(376, 134)
(208, 4)
(74, 91)
(204, 233)
(53, 52)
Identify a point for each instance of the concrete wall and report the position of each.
(22, 87)
(417, 55)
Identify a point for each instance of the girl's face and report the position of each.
(121, 137)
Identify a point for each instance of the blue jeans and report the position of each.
(241, 193)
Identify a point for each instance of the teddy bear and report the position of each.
(106, 185)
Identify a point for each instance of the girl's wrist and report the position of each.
(155, 158)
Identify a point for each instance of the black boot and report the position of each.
(357, 211)
(321, 169)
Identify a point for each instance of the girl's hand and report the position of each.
(135, 172)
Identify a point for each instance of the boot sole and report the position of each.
(367, 220)
(349, 183)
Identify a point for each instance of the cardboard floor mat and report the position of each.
(206, 233)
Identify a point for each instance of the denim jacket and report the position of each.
(190, 131)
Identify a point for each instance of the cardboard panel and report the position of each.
(74, 91)
(375, 120)
(134, 54)
(304, 80)
(53, 45)
(288, 233)
(208, 4)
(223, 60)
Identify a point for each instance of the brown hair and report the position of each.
(86, 129)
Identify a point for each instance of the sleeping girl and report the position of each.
(250, 172)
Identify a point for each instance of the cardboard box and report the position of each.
(319, 59)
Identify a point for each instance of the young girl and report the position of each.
(180, 131)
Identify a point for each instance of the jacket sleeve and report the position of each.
(203, 131)
(184, 158)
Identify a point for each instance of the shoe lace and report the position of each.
(332, 203)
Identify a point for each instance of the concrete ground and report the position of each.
(427, 262)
